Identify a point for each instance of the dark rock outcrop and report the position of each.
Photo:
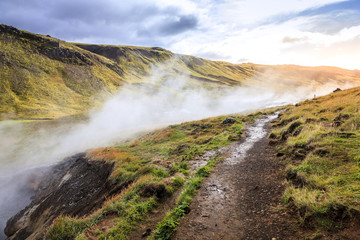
(116, 53)
(74, 187)
(49, 47)
(65, 55)
(229, 121)
(16, 32)
(340, 119)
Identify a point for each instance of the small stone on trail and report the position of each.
(146, 233)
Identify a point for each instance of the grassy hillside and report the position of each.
(40, 79)
(320, 139)
(158, 167)
(43, 77)
(138, 61)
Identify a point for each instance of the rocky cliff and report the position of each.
(74, 187)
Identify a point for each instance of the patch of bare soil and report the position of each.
(242, 197)
(103, 226)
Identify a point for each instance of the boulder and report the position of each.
(229, 121)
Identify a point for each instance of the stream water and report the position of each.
(253, 134)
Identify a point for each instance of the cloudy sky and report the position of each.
(305, 32)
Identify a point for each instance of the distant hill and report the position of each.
(43, 77)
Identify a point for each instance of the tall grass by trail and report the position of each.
(320, 141)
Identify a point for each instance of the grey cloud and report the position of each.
(169, 26)
(177, 25)
(132, 22)
(105, 11)
(333, 22)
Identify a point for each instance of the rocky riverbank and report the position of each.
(74, 187)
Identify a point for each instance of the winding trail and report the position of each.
(241, 198)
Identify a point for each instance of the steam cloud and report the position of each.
(163, 101)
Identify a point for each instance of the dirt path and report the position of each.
(241, 198)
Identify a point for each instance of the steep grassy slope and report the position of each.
(320, 140)
(43, 77)
(40, 79)
(138, 61)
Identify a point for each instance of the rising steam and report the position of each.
(162, 101)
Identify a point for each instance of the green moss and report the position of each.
(66, 228)
(168, 225)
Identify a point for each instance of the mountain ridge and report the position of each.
(45, 78)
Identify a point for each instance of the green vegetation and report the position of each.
(39, 79)
(129, 208)
(155, 166)
(168, 225)
(43, 77)
(182, 142)
(320, 140)
(5, 122)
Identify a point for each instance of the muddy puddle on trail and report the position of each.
(253, 134)
(220, 189)
(201, 161)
